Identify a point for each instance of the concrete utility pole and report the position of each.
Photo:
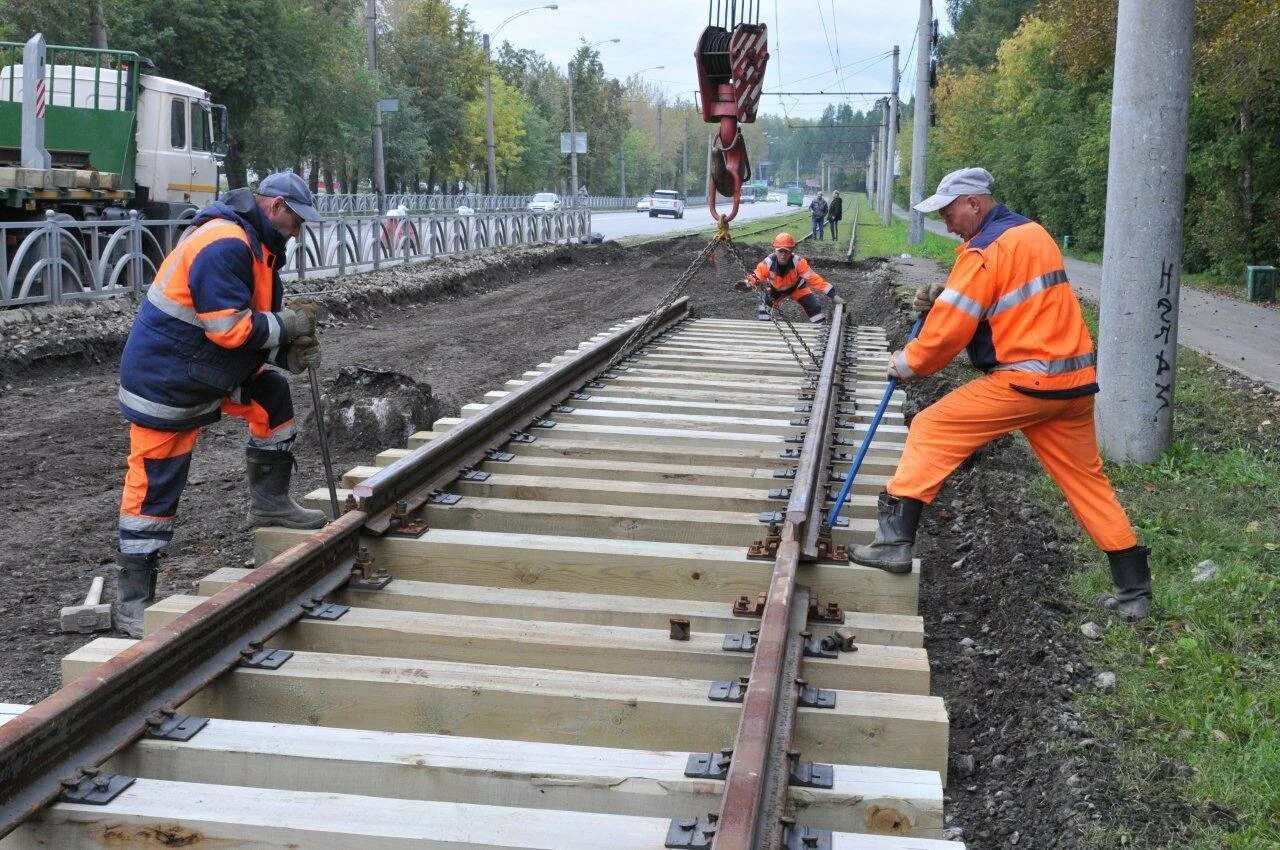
(622, 170)
(379, 167)
(920, 121)
(892, 140)
(660, 152)
(491, 175)
(1142, 248)
(883, 181)
(684, 158)
(573, 147)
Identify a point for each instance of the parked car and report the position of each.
(644, 204)
(544, 202)
(667, 202)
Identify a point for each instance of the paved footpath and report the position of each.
(1242, 336)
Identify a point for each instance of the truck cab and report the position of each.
(177, 169)
(117, 139)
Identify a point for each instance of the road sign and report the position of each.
(391, 104)
(581, 142)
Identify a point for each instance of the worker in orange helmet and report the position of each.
(783, 275)
(1009, 302)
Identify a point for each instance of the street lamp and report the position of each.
(573, 128)
(622, 153)
(491, 176)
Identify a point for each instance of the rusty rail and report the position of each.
(754, 802)
(65, 737)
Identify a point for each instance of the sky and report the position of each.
(808, 41)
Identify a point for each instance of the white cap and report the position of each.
(965, 181)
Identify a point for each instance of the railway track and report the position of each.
(596, 610)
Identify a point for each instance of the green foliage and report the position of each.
(1024, 91)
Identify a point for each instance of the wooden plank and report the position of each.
(591, 608)
(619, 522)
(535, 704)
(887, 432)
(569, 646)
(619, 567)
(510, 773)
(882, 450)
(160, 813)
(610, 470)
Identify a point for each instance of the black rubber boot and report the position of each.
(1131, 575)
(269, 500)
(135, 587)
(891, 549)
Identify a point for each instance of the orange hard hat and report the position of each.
(784, 240)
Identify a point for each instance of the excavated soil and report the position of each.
(1001, 635)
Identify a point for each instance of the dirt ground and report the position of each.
(1002, 638)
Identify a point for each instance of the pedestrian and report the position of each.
(783, 275)
(818, 209)
(1008, 300)
(835, 212)
(202, 345)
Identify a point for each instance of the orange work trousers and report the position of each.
(1060, 431)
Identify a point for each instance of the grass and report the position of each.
(877, 240)
(1199, 682)
(1230, 286)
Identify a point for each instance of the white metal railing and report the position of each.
(59, 259)
(354, 204)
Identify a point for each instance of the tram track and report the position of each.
(564, 563)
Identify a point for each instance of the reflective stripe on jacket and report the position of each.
(209, 322)
(795, 280)
(1009, 302)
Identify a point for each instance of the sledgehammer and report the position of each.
(92, 616)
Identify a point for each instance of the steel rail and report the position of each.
(756, 784)
(63, 739)
(99, 714)
(408, 484)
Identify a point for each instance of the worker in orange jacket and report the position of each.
(783, 275)
(1008, 301)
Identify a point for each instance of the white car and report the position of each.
(544, 202)
(667, 202)
(644, 204)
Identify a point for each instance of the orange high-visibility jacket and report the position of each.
(794, 280)
(1009, 302)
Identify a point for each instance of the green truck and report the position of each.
(85, 134)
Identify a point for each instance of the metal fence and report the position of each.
(61, 260)
(355, 204)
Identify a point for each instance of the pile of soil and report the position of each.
(367, 409)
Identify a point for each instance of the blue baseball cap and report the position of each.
(291, 189)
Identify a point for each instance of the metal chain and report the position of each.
(681, 282)
(774, 315)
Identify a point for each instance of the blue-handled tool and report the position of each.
(892, 385)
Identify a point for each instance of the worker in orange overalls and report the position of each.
(202, 344)
(1008, 300)
(783, 275)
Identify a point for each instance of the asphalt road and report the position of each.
(1242, 336)
(616, 225)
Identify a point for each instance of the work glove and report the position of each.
(298, 320)
(747, 284)
(833, 297)
(303, 353)
(926, 295)
(892, 370)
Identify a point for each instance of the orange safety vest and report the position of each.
(796, 281)
(1009, 302)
